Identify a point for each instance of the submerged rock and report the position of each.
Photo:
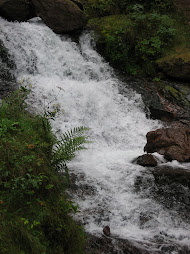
(60, 15)
(173, 143)
(20, 10)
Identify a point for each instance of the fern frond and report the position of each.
(70, 142)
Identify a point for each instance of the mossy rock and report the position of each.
(176, 65)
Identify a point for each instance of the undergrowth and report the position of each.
(133, 34)
(35, 214)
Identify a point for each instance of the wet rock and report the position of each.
(106, 230)
(146, 160)
(60, 15)
(105, 245)
(173, 143)
(20, 10)
(173, 189)
(163, 100)
(7, 67)
(100, 245)
(172, 175)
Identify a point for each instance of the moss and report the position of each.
(179, 96)
(176, 94)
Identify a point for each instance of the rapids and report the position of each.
(74, 77)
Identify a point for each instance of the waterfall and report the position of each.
(74, 77)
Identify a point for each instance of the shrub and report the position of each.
(155, 34)
(135, 38)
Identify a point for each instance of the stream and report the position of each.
(74, 78)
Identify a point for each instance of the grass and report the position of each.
(35, 214)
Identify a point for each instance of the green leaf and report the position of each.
(49, 186)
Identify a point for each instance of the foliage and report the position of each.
(155, 34)
(134, 34)
(34, 211)
(65, 149)
(100, 8)
(130, 41)
(116, 38)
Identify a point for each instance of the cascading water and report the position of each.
(73, 76)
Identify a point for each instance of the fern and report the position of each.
(65, 149)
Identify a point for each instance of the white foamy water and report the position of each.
(74, 76)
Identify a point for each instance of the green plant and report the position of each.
(34, 208)
(66, 148)
(133, 34)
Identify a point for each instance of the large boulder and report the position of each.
(20, 10)
(173, 143)
(60, 15)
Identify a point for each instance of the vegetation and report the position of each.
(34, 210)
(134, 34)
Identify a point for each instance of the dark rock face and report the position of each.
(146, 160)
(60, 15)
(173, 143)
(7, 66)
(164, 100)
(20, 10)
